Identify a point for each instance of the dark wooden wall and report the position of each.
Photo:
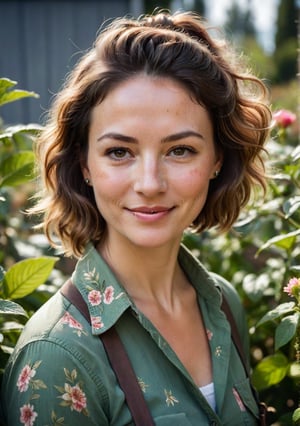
(40, 41)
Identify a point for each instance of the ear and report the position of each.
(217, 167)
(85, 171)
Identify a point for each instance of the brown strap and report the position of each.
(118, 359)
(235, 335)
(236, 338)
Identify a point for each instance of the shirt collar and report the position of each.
(107, 299)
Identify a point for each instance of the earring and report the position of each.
(87, 181)
(217, 173)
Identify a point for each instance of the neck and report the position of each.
(147, 274)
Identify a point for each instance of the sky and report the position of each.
(264, 13)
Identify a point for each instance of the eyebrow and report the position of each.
(171, 138)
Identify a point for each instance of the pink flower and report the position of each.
(109, 295)
(97, 322)
(24, 378)
(68, 319)
(75, 397)
(209, 334)
(284, 118)
(94, 297)
(293, 287)
(28, 415)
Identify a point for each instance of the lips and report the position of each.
(150, 214)
(151, 210)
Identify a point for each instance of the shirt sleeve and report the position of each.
(45, 384)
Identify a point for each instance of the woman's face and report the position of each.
(150, 158)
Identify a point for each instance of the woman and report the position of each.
(156, 130)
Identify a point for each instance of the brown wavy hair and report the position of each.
(179, 47)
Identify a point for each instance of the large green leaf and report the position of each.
(17, 168)
(270, 371)
(277, 312)
(286, 330)
(284, 241)
(8, 95)
(25, 276)
(7, 307)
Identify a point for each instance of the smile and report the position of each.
(150, 214)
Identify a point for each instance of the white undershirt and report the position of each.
(208, 392)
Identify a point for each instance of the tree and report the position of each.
(286, 41)
(239, 22)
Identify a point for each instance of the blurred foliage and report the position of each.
(20, 276)
(259, 256)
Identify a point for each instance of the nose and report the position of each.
(150, 176)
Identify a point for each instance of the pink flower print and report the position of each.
(209, 334)
(28, 415)
(24, 378)
(75, 397)
(108, 295)
(71, 322)
(97, 322)
(94, 297)
(238, 400)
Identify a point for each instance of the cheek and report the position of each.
(194, 182)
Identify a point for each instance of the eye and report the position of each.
(181, 151)
(118, 153)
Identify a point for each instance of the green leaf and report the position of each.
(17, 168)
(11, 308)
(270, 371)
(296, 154)
(8, 95)
(291, 206)
(277, 312)
(286, 330)
(6, 84)
(25, 276)
(285, 241)
(296, 416)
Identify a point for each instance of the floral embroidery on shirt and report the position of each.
(72, 394)
(142, 384)
(108, 296)
(99, 294)
(56, 421)
(238, 399)
(25, 378)
(95, 297)
(97, 322)
(28, 415)
(170, 399)
(209, 334)
(218, 351)
(72, 323)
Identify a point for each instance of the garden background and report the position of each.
(260, 255)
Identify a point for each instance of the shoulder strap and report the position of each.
(235, 335)
(119, 361)
(236, 338)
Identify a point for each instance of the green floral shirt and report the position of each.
(59, 373)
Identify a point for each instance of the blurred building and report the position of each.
(41, 40)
